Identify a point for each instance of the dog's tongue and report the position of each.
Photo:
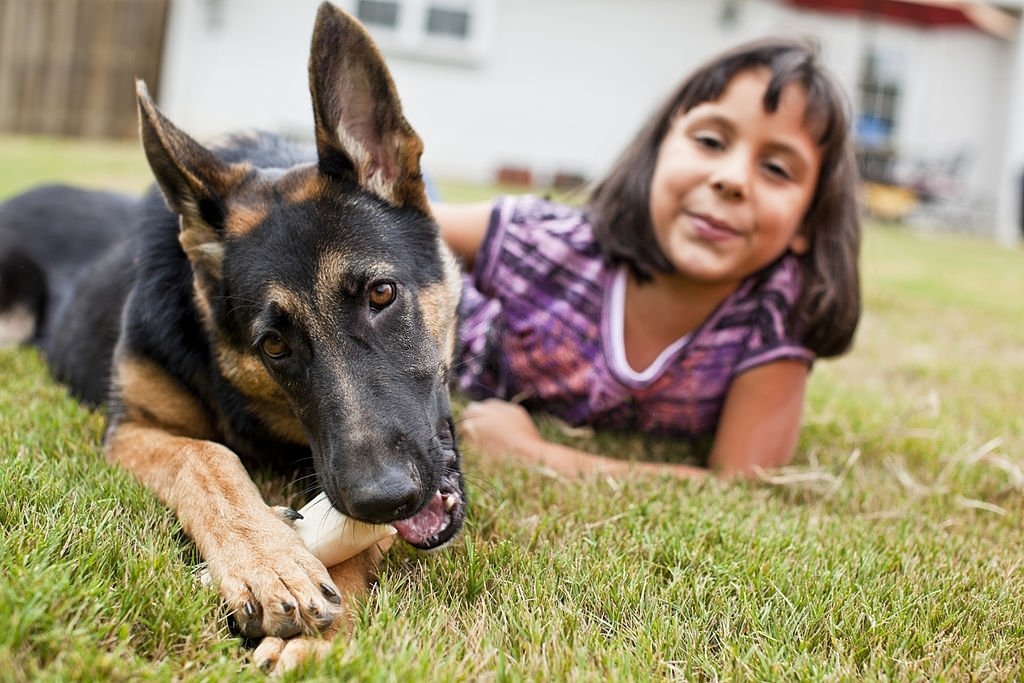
(425, 524)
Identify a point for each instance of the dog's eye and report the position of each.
(382, 295)
(274, 347)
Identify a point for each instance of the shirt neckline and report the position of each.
(614, 333)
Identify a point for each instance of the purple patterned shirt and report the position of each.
(541, 322)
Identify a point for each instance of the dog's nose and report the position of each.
(391, 497)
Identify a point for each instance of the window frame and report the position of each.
(411, 37)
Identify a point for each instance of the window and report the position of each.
(444, 30)
(447, 22)
(377, 13)
(878, 99)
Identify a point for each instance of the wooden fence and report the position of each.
(67, 67)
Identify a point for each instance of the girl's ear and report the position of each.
(800, 244)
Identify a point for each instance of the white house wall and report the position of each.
(562, 85)
(231, 64)
(565, 87)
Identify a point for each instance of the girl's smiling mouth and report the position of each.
(712, 230)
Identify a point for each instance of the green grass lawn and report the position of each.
(891, 549)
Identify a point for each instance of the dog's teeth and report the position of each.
(449, 502)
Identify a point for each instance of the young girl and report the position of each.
(692, 293)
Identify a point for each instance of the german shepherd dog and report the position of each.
(279, 304)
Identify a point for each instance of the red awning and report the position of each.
(923, 13)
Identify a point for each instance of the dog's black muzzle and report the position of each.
(416, 485)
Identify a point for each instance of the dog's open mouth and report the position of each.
(442, 517)
(435, 524)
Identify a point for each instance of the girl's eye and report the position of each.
(382, 295)
(709, 141)
(274, 347)
(777, 170)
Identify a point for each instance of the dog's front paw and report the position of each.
(277, 656)
(272, 585)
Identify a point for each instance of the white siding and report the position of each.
(564, 84)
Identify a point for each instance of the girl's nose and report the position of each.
(727, 189)
(729, 179)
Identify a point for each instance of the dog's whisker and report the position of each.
(304, 487)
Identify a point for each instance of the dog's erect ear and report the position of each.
(193, 180)
(360, 130)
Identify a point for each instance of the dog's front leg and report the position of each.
(277, 655)
(272, 585)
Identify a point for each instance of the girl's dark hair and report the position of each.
(829, 305)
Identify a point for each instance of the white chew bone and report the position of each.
(332, 537)
(329, 535)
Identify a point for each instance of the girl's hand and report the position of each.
(759, 428)
(500, 428)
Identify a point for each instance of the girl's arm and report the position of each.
(760, 421)
(759, 427)
(463, 227)
(499, 429)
